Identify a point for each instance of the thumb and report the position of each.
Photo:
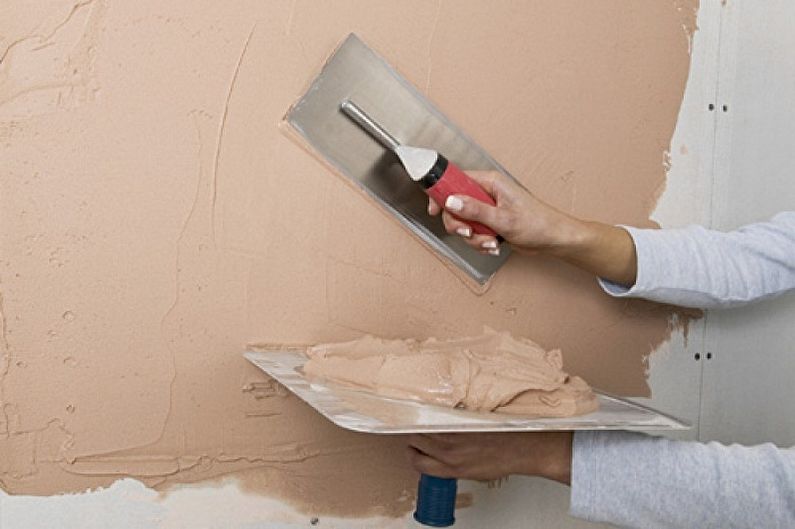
(468, 208)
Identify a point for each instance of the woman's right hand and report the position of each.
(532, 226)
(526, 222)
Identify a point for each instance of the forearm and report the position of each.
(603, 250)
(691, 267)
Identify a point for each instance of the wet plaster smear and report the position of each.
(155, 219)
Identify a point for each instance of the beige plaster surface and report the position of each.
(155, 220)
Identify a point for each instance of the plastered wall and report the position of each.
(156, 219)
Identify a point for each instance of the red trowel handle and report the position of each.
(454, 181)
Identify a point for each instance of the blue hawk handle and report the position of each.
(436, 501)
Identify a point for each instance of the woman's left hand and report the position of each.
(488, 456)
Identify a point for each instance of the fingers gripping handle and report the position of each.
(436, 501)
(457, 182)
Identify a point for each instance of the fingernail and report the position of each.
(489, 245)
(429, 209)
(494, 251)
(453, 203)
(464, 232)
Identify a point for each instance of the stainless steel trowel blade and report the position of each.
(357, 73)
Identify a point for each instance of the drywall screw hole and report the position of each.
(711, 106)
(725, 108)
(698, 356)
(709, 356)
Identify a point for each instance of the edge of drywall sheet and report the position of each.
(721, 218)
(719, 164)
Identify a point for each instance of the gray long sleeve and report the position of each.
(636, 480)
(696, 267)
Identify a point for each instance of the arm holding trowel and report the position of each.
(627, 478)
(532, 226)
(690, 267)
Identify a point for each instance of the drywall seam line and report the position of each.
(720, 162)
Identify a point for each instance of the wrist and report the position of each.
(558, 464)
(573, 238)
(601, 249)
(547, 455)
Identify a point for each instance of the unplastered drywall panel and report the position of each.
(747, 389)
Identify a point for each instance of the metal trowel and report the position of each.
(378, 131)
